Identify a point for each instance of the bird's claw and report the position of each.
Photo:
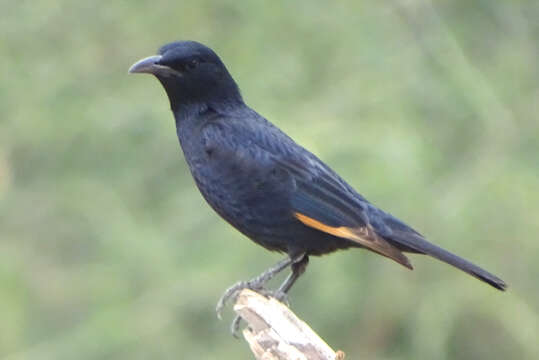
(232, 293)
(235, 326)
(256, 284)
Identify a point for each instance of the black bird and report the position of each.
(267, 186)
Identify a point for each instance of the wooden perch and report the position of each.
(276, 333)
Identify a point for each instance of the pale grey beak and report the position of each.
(147, 65)
(150, 65)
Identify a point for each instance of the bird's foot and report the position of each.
(279, 295)
(256, 284)
(232, 293)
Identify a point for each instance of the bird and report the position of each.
(267, 186)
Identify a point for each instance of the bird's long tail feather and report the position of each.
(417, 243)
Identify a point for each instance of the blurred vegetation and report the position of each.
(107, 250)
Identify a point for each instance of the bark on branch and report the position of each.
(276, 333)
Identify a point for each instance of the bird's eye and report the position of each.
(192, 64)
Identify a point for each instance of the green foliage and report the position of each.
(430, 110)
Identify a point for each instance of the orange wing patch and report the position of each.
(364, 236)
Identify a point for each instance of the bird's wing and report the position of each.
(321, 200)
(317, 196)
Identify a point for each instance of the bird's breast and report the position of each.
(252, 200)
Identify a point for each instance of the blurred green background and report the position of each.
(107, 250)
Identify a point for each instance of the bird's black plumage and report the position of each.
(262, 182)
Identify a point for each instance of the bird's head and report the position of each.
(191, 73)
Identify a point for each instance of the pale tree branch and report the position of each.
(274, 332)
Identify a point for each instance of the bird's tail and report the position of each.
(412, 241)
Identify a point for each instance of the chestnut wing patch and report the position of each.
(363, 235)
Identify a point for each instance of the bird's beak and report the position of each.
(147, 65)
(150, 65)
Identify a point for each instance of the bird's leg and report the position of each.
(254, 284)
(298, 268)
